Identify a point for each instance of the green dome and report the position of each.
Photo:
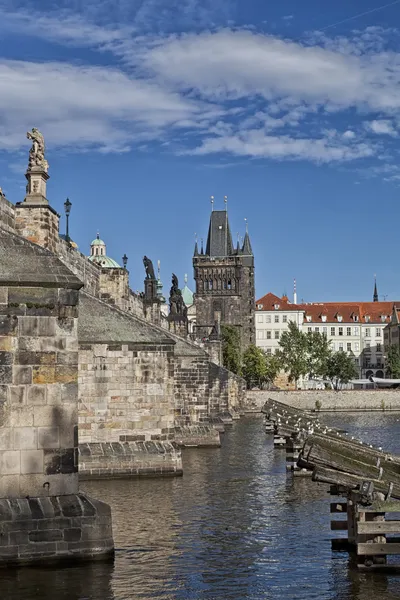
(97, 242)
(105, 262)
(187, 295)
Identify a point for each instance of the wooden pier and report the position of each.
(365, 480)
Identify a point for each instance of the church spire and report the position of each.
(247, 250)
(219, 239)
(376, 297)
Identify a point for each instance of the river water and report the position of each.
(235, 526)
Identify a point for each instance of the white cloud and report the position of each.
(256, 144)
(236, 91)
(381, 127)
(85, 105)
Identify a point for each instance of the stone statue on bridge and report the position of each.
(177, 305)
(148, 265)
(37, 151)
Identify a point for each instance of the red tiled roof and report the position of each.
(367, 312)
(269, 301)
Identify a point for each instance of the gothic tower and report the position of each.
(224, 281)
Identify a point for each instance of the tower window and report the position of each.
(229, 284)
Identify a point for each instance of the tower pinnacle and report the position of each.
(376, 297)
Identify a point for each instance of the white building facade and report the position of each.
(355, 328)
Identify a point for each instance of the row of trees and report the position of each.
(299, 354)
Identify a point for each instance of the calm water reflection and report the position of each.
(234, 527)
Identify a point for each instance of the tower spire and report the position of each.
(376, 297)
(246, 249)
(294, 292)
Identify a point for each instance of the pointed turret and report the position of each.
(376, 297)
(196, 249)
(246, 249)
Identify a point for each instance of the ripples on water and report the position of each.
(234, 527)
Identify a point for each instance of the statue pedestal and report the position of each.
(178, 324)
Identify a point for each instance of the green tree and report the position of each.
(231, 356)
(340, 369)
(254, 367)
(318, 352)
(292, 353)
(393, 362)
(259, 368)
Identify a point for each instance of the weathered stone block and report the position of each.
(68, 297)
(31, 461)
(3, 295)
(69, 392)
(6, 343)
(46, 326)
(44, 375)
(25, 438)
(67, 358)
(28, 326)
(48, 437)
(36, 296)
(17, 395)
(6, 358)
(22, 375)
(37, 395)
(66, 374)
(47, 535)
(10, 462)
(5, 374)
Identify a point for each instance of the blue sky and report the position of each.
(149, 107)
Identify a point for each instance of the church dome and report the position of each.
(98, 255)
(187, 293)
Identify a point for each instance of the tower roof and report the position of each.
(98, 254)
(219, 240)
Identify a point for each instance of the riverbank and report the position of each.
(329, 401)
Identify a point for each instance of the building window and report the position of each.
(317, 329)
(348, 330)
(357, 346)
(333, 331)
(348, 346)
(341, 346)
(268, 318)
(268, 335)
(323, 318)
(284, 319)
(325, 330)
(260, 335)
(356, 331)
(309, 329)
(276, 319)
(378, 332)
(367, 347)
(259, 318)
(340, 330)
(277, 335)
(268, 351)
(368, 332)
(378, 347)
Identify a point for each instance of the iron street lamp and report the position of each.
(124, 260)
(67, 207)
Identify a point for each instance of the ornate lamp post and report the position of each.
(67, 207)
(124, 260)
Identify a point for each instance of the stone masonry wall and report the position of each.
(126, 392)
(330, 400)
(227, 391)
(79, 264)
(7, 214)
(114, 287)
(38, 224)
(191, 389)
(38, 391)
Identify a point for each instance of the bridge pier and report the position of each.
(43, 516)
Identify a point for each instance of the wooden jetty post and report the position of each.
(366, 481)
